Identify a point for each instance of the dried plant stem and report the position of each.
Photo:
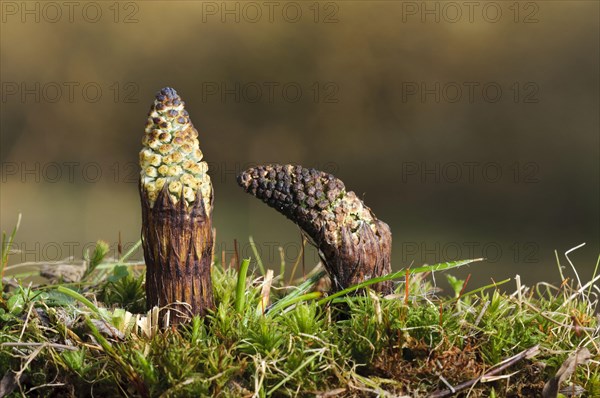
(178, 246)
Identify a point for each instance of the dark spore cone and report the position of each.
(355, 246)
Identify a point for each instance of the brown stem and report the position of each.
(356, 260)
(177, 241)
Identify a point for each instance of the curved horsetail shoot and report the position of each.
(354, 245)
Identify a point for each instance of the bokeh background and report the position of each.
(471, 128)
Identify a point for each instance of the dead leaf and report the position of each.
(579, 357)
(8, 383)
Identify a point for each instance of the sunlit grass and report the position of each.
(268, 337)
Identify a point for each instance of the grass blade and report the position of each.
(240, 290)
(5, 249)
(299, 368)
(397, 275)
(73, 294)
(299, 291)
(257, 256)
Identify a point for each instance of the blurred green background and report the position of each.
(472, 128)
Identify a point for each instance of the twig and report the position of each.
(46, 385)
(52, 345)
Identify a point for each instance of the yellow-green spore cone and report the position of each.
(171, 155)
